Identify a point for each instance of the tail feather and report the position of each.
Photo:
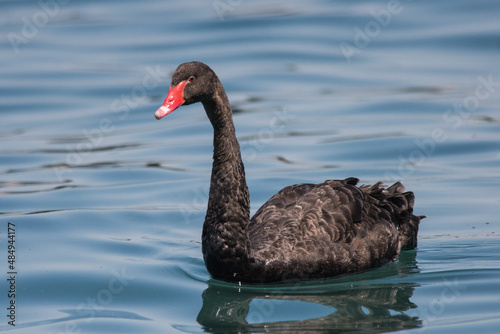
(399, 203)
(396, 188)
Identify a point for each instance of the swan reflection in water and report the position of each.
(352, 303)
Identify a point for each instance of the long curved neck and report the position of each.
(228, 197)
(224, 239)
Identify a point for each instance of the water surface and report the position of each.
(108, 203)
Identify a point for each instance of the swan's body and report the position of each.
(305, 231)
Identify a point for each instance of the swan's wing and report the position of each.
(308, 219)
(330, 229)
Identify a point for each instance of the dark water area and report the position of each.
(105, 204)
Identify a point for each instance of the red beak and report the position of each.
(174, 100)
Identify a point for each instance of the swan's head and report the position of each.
(192, 82)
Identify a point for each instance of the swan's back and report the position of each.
(331, 228)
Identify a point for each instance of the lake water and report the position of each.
(105, 204)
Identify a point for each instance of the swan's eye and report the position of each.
(191, 79)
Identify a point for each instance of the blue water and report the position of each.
(107, 204)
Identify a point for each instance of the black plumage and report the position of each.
(305, 231)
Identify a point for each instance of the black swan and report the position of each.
(305, 231)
